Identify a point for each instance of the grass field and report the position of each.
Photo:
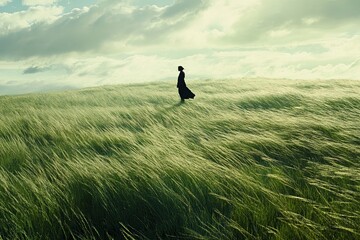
(247, 159)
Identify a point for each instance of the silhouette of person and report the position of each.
(184, 91)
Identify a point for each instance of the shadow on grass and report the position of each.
(176, 105)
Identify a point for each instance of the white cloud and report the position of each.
(307, 19)
(294, 62)
(279, 33)
(217, 21)
(13, 22)
(185, 24)
(310, 20)
(4, 2)
(116, 42)
(92, 29)
(80, 71)
(38, 2)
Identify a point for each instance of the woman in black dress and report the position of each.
(184, 92)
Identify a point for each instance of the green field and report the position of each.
(247, 159)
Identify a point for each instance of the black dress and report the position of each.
(184, 91)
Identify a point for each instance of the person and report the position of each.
(184, 91)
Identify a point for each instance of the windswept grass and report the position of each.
(247, 159)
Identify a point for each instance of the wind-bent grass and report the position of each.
(247, 159)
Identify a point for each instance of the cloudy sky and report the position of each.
(61, 44)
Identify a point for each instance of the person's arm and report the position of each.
(181, 81)
(178, 81)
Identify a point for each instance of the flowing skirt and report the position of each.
(185, 93)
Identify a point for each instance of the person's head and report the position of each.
(180, 68)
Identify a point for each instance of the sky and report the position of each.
(64, 44)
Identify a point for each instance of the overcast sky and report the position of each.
(60, 44)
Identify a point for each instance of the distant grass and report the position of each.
(247, 159)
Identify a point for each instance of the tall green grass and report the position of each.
(247, 159)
